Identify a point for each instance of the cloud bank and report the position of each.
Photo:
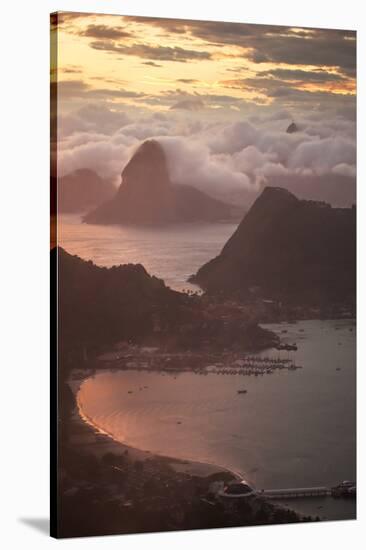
(225, 159)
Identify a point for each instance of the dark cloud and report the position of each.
(72, 70)
(151, 64)
(107, 92)
(323, 48)
(305, 95)
(303, 75)
(223, 98)
(78, 88)
(117, 81)
(181, 99)
(187, 80)
(191, 104)
(70, 88)
(277, 44)
(160, 53)
(103, 32)
(281, 91)
(177, 26)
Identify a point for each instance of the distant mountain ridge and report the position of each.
(287, 249)
(81, 190)
(147, 195)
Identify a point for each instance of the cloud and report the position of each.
(151, 64)
(191, 104)
(322, 48)
(231, 138)
(225, 159)
(65, 19)
(323, 155)
(190, 162)
(93, 119)
(104, 156)
(71, 69)
(187, 80)
(292, 91)
(71, 89)
(266, 43)
(303, 75)
(181, 99)
(104, 32)
(160, 53)
(114, 93)
(345, 169)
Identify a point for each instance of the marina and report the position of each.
(229, 363)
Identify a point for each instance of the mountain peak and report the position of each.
(292, 128)
(289, 249)
(147, 167)
(273, 200)
(150, 146)
(148, 196)
(149, 152)
(280, 192)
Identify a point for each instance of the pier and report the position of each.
(298, 492)
(242, 490)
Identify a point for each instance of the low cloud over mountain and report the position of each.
(223, 158)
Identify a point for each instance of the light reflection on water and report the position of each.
(172, 253)
(292, 428)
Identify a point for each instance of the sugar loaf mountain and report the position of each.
(148, 196)
(287, 249)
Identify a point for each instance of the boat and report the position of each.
(287, 347)
(242, 391)
(344, 489)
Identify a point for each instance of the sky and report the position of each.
(218, 96)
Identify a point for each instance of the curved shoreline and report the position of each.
(207, 468)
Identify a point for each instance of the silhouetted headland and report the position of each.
(287, 249)
(100, 306)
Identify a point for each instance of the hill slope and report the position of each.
(287, 249)
(99, 305)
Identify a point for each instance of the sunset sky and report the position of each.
(209, 90)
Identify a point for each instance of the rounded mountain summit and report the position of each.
(148, 196)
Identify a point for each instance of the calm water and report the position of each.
(172, 253)
(292, 428)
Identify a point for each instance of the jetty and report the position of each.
(241, 489)
(298, 492)
(344, 489)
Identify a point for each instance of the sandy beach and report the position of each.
(88, 436)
